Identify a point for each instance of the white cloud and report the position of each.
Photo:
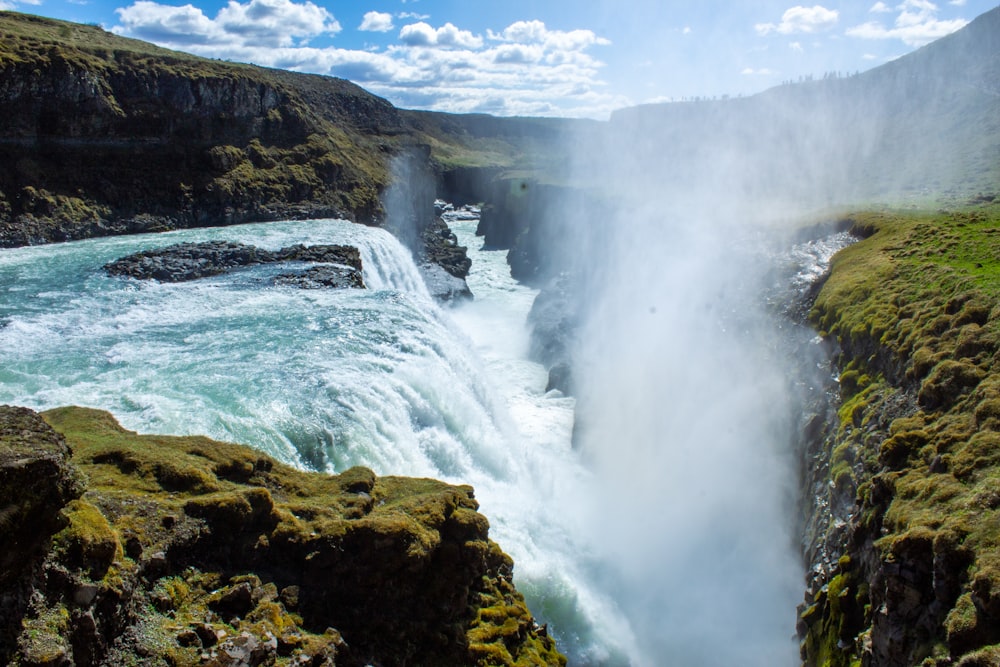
(796, 46)
(518, 53)
(276, 22)
(957, 3)
(535, 32)
(257, 23)
(413, 15)
(800, 19)
(521, 31)
(524, 69)
(447, 36)
(749, 71)
(376, 22)
(171, 26)
(917, 24)
(686, 30)
(880, 8)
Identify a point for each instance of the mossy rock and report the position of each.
(964, 626)
(88, 543)
(898, 449)
(913, 306)
(36, 481)
(947, 381)
(980, 453)
(988, 414)
(985, 657)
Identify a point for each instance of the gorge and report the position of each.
(700, 443)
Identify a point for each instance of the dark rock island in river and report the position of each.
(339, 266)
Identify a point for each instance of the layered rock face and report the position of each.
(900, 481)
(187, 551)
(108, 135)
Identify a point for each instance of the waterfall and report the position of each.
(651, 538)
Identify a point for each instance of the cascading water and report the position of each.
(382, 377)
(323, 379)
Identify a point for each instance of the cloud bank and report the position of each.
(915, 25)
(523, 69)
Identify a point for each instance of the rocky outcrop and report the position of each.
(190, 261)
(554, 319)
(555, 237)
(187, 551)
(899, 479)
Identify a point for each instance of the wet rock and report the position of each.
(191, 261)
(442, 285)
(245, 650)
(323, 277)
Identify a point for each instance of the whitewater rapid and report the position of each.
(321, 379)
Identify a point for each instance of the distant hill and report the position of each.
(928, 122)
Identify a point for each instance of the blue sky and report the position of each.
(545, 57)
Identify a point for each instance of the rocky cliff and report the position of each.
(128, 549)
(901, 481)
(109, 135)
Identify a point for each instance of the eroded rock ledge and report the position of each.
(187, 551)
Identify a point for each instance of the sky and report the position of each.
(570, 58)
